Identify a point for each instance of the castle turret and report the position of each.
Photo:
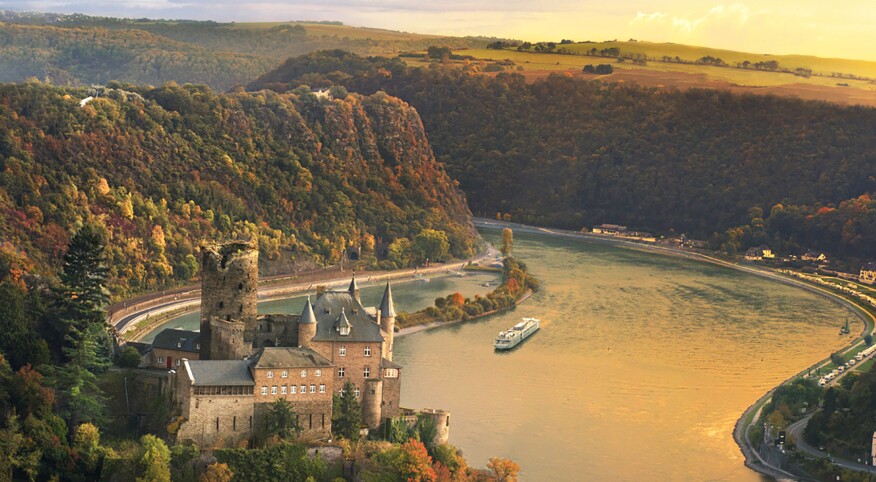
(386, 318)
(229, 289)
(371, 403)
(442, 424)
(227, 340)
(354, 290)
(306, 325)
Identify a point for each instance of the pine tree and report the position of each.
(346, 413)
(84, 277)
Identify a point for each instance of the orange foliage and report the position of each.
(456, 299)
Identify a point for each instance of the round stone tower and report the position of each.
(371, 399)
(442, 425)
(306, 325)
(386, 318)
(229, 289)
(227, 340)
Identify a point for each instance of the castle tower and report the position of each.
(371, 399)
(442, 424)
(354, 290)
(227, 340)
(229, 289)
(386, 318)
(306, 325)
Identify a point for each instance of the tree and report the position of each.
(506, 470)
(430, 244)
(155, 462)
(130, 358)
(281, 420)
(86, 442)
(410, 462)
(216, 472)
(346, 413)
(837, 359)
(13, 451)
(399, 252)
(868, 339)
(507, 241)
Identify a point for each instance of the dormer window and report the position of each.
(345, 330)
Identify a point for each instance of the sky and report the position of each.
(845, 29)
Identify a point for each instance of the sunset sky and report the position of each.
(844, 29)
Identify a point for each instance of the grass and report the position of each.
(341, 31)
(864, 366)
(756, 78)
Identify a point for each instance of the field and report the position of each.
(341, 31)
(535, 66)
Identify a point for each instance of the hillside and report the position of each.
(165, 169)
(573, 152)
(79, 50)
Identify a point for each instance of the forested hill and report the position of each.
(162, 170)
(572, 153)
(81, 50)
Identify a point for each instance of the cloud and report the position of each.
(720, 17)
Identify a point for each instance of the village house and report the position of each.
(170, 346)
(867, 274)
(814, 256)
(759, 253)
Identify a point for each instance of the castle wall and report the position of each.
(372, 397)
(353, 362)
(391, 395)
(158, 357)
(275, 330)
(229, 288)
(314, 408)
(228, 340)
(216, 421)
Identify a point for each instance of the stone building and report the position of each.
(248, 361)
(170, 346)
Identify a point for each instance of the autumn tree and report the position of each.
(430, 244)
(507, 241)
(155, 462)
(505, 470)
(409, 461)
(216, 472)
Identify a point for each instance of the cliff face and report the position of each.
(169, 168)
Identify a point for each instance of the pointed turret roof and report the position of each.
(342, 321)
(353, 286)
(386, 307)
(307, 315)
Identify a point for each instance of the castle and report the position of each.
(247, 361)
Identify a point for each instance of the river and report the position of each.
(642, 366)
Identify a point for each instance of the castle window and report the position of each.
(357, 392)
(270, 374)
(264, 390)
(323, 420)
(293, 389)
(240, 286)
(313, 389)
(177, 362)
(341, 372)
(390, 373)
(367, 372)
(342, 351)
(234, 423)
(217, 424)
(197, 346)
(221, 305)
(283, 390)
(285, 373)
(367, 350)
(274, 390)
(161, 359)
(240, 310)
(303, 389)
(303, 373)
(345, 330)
(318, 373)
(322, 389)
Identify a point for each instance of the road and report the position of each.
(796, 429)
(151, 306)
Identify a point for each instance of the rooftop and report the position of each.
(182, 340)
(328, 308)
(287, 357)
(219, 372)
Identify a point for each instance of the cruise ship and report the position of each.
(510, 338)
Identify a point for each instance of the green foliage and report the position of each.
(507, 241)
(572, 153)
(868, 339)
(847, 419)
(281, 420)
(129, 358)
(346, 413)
(837, 359)
(430, 245)
(409, 461)
(283, 461)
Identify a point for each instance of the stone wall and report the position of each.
(275, 330)
(228, 340)
(314, 410)
(229, 288)
(353, 361)
(212, 421)
(391, 396)
(158, 357)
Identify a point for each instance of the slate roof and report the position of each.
(307, 315)
(384, 363)
(386, 307)
(871, 266)
(182, 340)
(220, 372)
(287, 357)
(328, 308)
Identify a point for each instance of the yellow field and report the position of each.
(328, 30)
